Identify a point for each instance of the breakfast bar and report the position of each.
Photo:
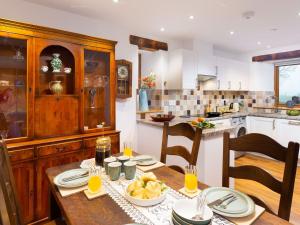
(210, 158)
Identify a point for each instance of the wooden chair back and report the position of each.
(9, 206)
(181, 129)
(263, 144)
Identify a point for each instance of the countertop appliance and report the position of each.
(240, 129)
(235, 107)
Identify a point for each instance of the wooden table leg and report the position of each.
(53, 208)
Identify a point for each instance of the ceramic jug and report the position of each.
(55, 87)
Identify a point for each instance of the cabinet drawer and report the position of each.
(21, 155)
(59, 148)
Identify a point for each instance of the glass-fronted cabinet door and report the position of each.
(14, 86)
(97, 90)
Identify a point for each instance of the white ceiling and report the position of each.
(214, 19)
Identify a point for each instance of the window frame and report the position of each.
(276, 82)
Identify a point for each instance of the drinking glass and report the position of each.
(190, 179)
(95, 182)
(127, 151)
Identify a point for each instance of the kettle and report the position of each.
(236, 107)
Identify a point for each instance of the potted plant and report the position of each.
(148, 82)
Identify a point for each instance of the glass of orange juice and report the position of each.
(190, 179)
(127, 151)
(95, 182)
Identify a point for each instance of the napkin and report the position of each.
(248, 220)
(151, 167)
(65, 192)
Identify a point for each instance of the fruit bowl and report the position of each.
(146, 202)
(162, 118)
(146, 191)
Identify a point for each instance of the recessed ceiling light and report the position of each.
(231, 32)
(115, 1)
(191, 17)
(162, 29)
(259, 43)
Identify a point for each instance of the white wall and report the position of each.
(262, 73)
(36, 14)
(156, 62)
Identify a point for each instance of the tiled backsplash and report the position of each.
(180, 101)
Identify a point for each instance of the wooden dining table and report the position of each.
(78, 210)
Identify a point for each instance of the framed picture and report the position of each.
(124, 78)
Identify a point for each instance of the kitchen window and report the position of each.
(287, 84)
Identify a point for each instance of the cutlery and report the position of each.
(74, 177)
(225, 204)
(200, 204)
(220, 200)
(142, 160)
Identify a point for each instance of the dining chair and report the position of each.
(181, 129)
(10, 212)
(265, 145)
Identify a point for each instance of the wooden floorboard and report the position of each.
(271, 198)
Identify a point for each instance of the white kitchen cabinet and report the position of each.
(262, 125)
(182, 73)
(287, 130)
(205, 60)
(281, 130)
(231, 75)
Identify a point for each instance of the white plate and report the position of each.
(150, 162)
(186, 209)
(146, 202)
(71, 184)
(215, 193)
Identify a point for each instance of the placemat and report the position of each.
(65, 192)
(190, 195)
(91, 196)
(248, 220)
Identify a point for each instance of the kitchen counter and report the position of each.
(210, 157)
(206, 132)
(275, 116)
(218, 129)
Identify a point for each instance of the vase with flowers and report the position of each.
(148, 82)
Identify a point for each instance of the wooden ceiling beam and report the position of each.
(277, 56)
(148, 44)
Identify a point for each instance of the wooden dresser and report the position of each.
(57, 93)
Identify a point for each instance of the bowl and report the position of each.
(185, 209)
(162, 118)
(146, 202)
